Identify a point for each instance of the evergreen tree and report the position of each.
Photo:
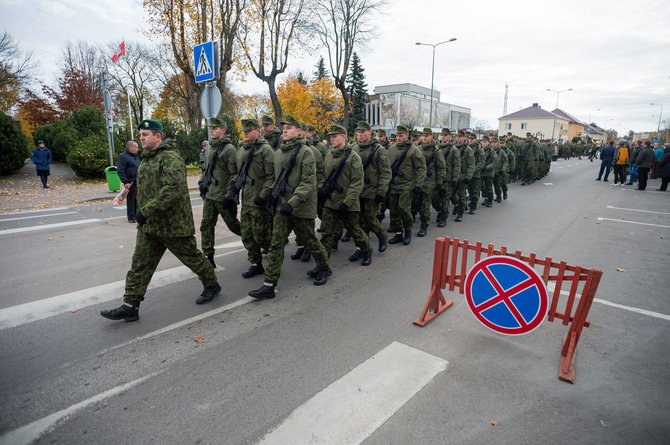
(321, 71)
(301, 78)
(357, 90)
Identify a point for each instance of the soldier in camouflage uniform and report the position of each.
(297, 209)
(217, 196)
(377, 176)
(501, 174)
(434, 184)
(341, 203)
(467, 170)
(452, 163)
(511, 162)
(408, 180)
(527, 158)
(382, 139)
(475, 187)
(271, 134)
(165, 221)
(491, 166)
(256, 221)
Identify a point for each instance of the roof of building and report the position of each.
(569, 117)
(532, 112)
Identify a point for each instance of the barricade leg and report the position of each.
(436, 303)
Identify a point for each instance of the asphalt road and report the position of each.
(341, 363)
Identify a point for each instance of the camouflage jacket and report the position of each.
(452, 162)
(436, 169)
(467, 161)
(350, 179)
(491, 162)
(274, 139)
(503, 163)
(302, 178)
(318, 162)
(225, 169)
(480, 159)
(378, 172)
(413, 167)
(162, 192)
(261, 170)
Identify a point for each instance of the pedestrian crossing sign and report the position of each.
(205, 58)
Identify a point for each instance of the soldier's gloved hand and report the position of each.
(379, 199)
(321, 194)
(417, 191)
(454, 184)
(259, 201)
(286, 209)
(140, 218)
(466, 181)
(344, 209)
(227, 203)
(203, 189)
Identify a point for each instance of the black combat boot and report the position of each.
(298, 253)
(488, 203)
(129, 311)
(504, 195)
(459, 217)
(423, 232)
(313, 272)
(357, 255)
(322, 276)
(266, 291)
(367, 257)
(346, 238)
(383, 243)
(408, 237)
(210, 258)
(441, 222)
(396, 239)
(255, 269)
(208, 294)
(498, 199)
(472, 210)
(306, 256)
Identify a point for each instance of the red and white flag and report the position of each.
(121, 51)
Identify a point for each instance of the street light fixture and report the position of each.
(432, 75)
(658, 129)
(558, 93)
(597, 109)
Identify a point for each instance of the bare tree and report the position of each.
(270, 29)
(16, 68)
(344, 24)
(85, 59)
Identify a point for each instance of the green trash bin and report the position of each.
(113, 181)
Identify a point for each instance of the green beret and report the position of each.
(290, 120)
(337, 129)
(381, 132)
(250, 124)
(311, 128)
(401, 129)
(148, 124)
(216, 122)
(427, 130)
(446, 131)
(362, 125)
(268, 119)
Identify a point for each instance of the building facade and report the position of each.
(407, 103)
(534, 120)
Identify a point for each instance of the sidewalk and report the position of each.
(23, 190)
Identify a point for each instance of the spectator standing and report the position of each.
(658, 154)
(643, 161)
(633, 165)
(664, 168)
(620, 162)
(606, 158)
(41, 157)
(127, 164)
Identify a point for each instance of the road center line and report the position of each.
(361, 401)
(48, 226)
(33, 431)
(633, 222)
(35, 216)
(638, 210)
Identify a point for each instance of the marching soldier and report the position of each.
(255, 175)
(214, 184)
(452, 162)
(475, 187)
(377, 176)
(491, 166)
(165, 221)
(294, 194)
(434, 184)
(382, 139)
(408, 173)
(271, 134)
(501, 176)
(527, 159)
(467, 170)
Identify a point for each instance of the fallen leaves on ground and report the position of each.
(199, 339)
(602, 422)
(620, 270)
(74, 310)
(494, 422)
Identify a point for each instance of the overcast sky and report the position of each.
(614, 54)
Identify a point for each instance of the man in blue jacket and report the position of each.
(606, 158)
(41, 157)
(127, 164)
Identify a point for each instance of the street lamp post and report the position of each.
(597, 109)
(558, 93)
(658, 129)
(432, 75)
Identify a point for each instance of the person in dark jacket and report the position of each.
(606, 158)
(633, 164)
(41, 157)
(643, 160)
(664, 169)
(127, 164)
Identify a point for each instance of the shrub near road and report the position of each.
(13, 146)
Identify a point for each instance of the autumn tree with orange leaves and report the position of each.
(318, 103)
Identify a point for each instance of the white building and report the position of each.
(406, 103)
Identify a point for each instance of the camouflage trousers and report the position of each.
(282, 225)
(333, 223)
(400, 206)
(487, 187)
(149, 250)
(210, 214)
(256, 226)
(460, 197)
(424, 207)
(500, 183)
(527, 171)
(369, 221)
(441, 200)
(474, 192)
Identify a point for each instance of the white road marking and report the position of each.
(633, 222)
(120, 207)
(548, 183)
(638, 210)
(349, 410)
(551, 286)
(38, 310)
(115, 217)
(51, 209)
(36, 216)
(33, 431)
(48, 226)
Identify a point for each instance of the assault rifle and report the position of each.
(395, 168)
(243, 177)
(208, 178)
(331, 183)
(367, 161)
(282, 185)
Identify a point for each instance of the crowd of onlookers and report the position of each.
(637, 163)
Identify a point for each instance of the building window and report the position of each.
(524, 126)
(508, 126)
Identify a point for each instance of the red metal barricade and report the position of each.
(452, 262)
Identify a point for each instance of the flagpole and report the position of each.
(130, 121)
